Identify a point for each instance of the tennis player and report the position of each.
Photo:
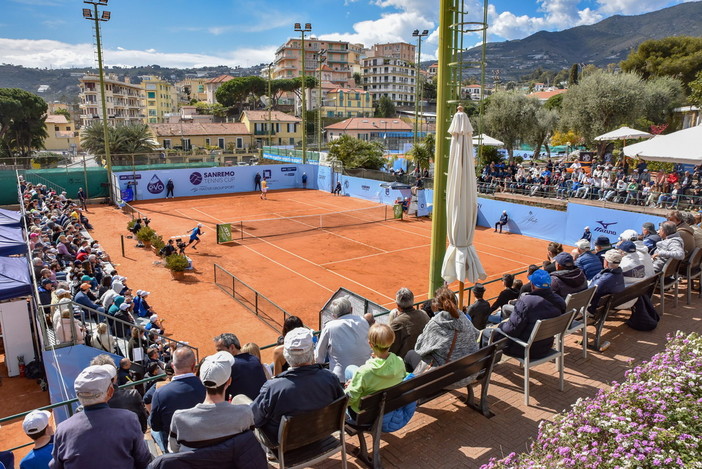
(264, 189)
(195, 234)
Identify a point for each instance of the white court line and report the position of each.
(332, 233)
(377, 254)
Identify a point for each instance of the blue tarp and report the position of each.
(10, 218)
(15, 281)
(11, 241)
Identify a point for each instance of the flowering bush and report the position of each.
(652, 419)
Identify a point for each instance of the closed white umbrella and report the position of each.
(461, 260)
(623, 133)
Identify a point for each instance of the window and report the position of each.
(56, 128)
(151, 95)
(152, 112)
(220, 143)
(186, 144)
(239, 142)
(207, 142)
(166, 143)
(292, 140)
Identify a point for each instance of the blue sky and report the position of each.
(185, 33)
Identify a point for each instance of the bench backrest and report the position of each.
(632, 292)
(302, 429)
(427, 384)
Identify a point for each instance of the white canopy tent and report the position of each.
(623, 133)
(486, 140)
(683, 146)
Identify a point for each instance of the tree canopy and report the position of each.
(678, 57)
(356, 153)
(510, 116)
(22, 128)
(384, 107)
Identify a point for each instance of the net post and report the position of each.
(386, 213)
(233, 287)
(122, 242)
(214, 266)
(256, 302)
(241, 229)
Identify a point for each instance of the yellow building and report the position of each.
(234, 137)
(192, 88)
(284, 128)
(161, 98)
(124, 100)
(61, 134)
(347, 102)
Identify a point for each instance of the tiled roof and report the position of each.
(546, 94)
(371, 123)
(276, 116)
(56, 119)
(198, 128)
(220, 79)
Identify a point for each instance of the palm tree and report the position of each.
(125, 139)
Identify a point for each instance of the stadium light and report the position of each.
(302, 31)
(417, 88)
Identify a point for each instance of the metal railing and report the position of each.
(266, 310)
(36, 179)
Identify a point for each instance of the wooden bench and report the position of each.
(422, 389)
(611, 302)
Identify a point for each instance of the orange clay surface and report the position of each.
(299, 272)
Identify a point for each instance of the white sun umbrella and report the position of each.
(623, 133)
(486, 140)
(682, 146)
(461, 261)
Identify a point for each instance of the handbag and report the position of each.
(423, 366)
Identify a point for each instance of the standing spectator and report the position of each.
(408, 324)
(81, 440)
(671, 246)
(304, 180)
(504, 219)
(344, 340)
(183, 392)
(480, 309)
(568, 278)
(215, 420)
(37, 426)
(302, 388)
(169, 188)
(83, 198)
(257, 181)
(247, 373)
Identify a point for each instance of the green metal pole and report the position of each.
(303, 89)
(270, 107)
(443, 115)
(419, 90)
(106, 132)
(416, 90)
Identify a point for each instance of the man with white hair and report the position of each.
(344, 340)
(99, 436)
(303, 387)
(408, 324)
(586, 259)
(671, 245)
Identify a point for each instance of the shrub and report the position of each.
(157, 242)
(176, 262)
(130, 224)
(146, 234)
(652, 419)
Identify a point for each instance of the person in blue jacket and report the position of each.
(503, 221)
(195, 236)
(587, 260)
(609, 280)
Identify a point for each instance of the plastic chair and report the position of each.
(669, 279)
(309, 438)
(543, 329)
(693, 270)
(579, 302)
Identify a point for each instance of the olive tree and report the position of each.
(510, 116)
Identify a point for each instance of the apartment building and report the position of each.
(284, 128)
(124, 100)
(347, 102)
(61, 134)
(389, 70)
(161, 98)
(191, 88)
(342, 58)
(212, 85)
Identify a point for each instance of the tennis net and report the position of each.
(227, 232)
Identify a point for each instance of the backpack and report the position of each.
(34, 370)
(398, 418)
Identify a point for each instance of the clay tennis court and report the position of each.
(298, 271)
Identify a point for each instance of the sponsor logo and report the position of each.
(129, 177)
(531, 218)
(195, 178)
(155, 185)
(267, 173)
(218, 174)
(387, 191)
(322, 177)
(365, 188)
(346, 184)
(603, 228)
(480, 205)
(286, 169)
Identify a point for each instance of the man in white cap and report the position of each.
(609, 280)
(195, 234)
(99, 436)
(215, 420)
(37, 426)
(303, 387)
(586, 259)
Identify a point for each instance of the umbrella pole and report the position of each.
(461, 287)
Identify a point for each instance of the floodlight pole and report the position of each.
(106, 132)
(417, 93)
(270, 107)
(302, 30)
(320, 60)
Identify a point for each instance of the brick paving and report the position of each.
(447, 434)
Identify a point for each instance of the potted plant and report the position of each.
(130, 225)
(177, 265)
(146, 235)
(157, 243)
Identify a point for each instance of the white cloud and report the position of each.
(45, 53)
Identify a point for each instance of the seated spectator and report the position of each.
(156, 325)
(509, 293)
(602, 245)
(635, 265)
(587, 260)
(541, 303)
(448, 336)
(215, 420)
(344, 340)
(304, 387)
(102, 339)
(609, 280)
(567, 278)
(383, 370)
(671, 246)
(279, 363)
(247, 373)
(136, 342)
(650, 236)
(255, 350)
(552, 251)
(684, 230)
(37, 426)
(67, 328)
(479, 311)
(408, 323)
(81, 440)
(82, 299)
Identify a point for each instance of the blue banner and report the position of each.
(603, 222)
(325, 178)
(523, 219)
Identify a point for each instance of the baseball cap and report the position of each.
(144, 293)
(540, 279)
(613, 256)
(583, 244)
(564, 259)
(602, 241)
(626, 246)
(94, 380)
(86, 278)
(124, 306)
(628, 235)
(298, 340)
(46, 281)
(36, 421)
(216, 369)
(61, 291)
(153, 317)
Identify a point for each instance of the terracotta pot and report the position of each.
(178, 275)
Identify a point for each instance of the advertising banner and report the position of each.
(525, 220)
(325, 178)
(603, 222)
(151, 184)
(224, 233)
